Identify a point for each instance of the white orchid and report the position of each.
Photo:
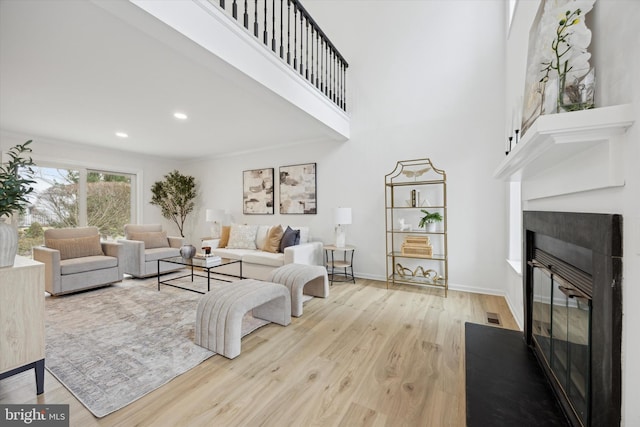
(568, 55)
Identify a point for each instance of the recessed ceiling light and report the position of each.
(180, 116)
(122, 135)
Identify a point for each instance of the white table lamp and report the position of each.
(342, 217)
(212, 217)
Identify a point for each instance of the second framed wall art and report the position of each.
(298, 189)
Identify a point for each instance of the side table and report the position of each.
(22, 319)
(346, 263)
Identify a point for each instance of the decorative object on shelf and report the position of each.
(578, 94)
(187, 251)
(429, 220)
(402, 226)
(415, 174)
(298, 189)
(420, 180)
(417, 246)
(341, 217)
(429, 274)
(175, 196)
(257, 192)
(557, 53)
(15, 185)
(403, 271)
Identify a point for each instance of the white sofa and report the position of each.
(258, 264)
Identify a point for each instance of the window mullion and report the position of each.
(82, 198)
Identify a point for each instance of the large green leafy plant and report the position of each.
(15, 180)
(175, 196)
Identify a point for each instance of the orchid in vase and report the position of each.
(567, 62)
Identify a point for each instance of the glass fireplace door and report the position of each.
(570, 346)
(561, 323)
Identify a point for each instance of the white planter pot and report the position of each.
(431, 227)
(8, 244)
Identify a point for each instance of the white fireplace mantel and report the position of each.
(570, 152)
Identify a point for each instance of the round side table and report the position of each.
(344, 263)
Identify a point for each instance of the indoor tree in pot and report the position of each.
(175, 196)
(14, 189)
(429, 220)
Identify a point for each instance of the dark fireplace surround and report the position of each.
(593, 244)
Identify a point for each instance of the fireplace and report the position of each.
(573, 309)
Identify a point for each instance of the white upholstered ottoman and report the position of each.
(301, 279)
(220, 312)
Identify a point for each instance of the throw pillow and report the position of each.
(261, 235)
(151, 239)
(242, 236)
(76, 247)
(272, 243)
(289, 238)
(224, 236)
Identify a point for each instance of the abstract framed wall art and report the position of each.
(257, 192)
(298, 189)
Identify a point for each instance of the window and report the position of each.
(75, 197)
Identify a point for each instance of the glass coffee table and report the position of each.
(201, 263)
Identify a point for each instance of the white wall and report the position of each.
(67, 153)
(425, 80)
(616, 57)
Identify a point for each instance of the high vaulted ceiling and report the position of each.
(74, 71)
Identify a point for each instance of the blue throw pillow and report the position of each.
(290, 237)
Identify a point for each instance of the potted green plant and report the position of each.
(429, 220)
(14, 189)
(175, 196)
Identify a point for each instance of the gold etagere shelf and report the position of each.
(416, 256)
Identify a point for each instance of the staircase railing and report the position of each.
(292, 34)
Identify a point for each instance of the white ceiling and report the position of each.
(70, 70)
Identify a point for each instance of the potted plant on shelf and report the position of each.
(14, 190)
(429, 220)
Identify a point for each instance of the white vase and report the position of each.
(8, 244)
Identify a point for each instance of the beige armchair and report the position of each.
(144, 245)
(75, 259)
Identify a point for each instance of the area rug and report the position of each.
(505, 385)
(113, 345)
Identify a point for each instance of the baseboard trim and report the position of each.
(462, 288)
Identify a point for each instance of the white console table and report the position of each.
(22, 319)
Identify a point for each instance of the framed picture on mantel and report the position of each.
(298, 189)
(257, 192)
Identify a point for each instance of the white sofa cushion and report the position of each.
(264, 258)
(232, 253)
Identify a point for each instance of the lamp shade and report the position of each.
(210, 215)
(342, 216)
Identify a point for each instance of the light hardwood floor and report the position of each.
(366, 356)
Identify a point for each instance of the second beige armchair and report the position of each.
(143, 245)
